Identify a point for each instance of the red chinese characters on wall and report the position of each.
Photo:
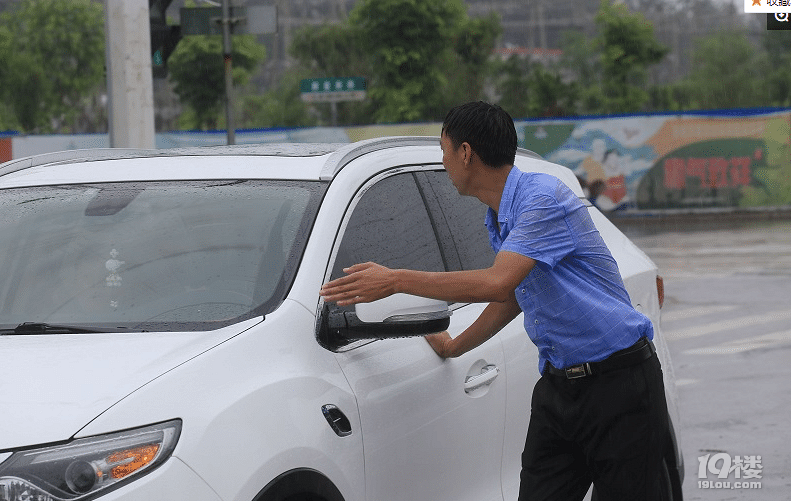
(713, 172)
(616, 188)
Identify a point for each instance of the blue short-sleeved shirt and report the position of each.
(575, 305)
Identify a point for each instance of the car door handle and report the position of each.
(486, 377)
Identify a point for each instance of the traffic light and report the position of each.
(164, 38)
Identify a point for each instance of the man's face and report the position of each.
(453, 159)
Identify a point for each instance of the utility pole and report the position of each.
(226, 49)
(129, 84)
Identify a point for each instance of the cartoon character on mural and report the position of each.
(604, 177)
(608, 157)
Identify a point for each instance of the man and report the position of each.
(598, 412)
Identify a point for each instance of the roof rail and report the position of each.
(355, 150)
(69, 156)
(87, 155)
(349, 152)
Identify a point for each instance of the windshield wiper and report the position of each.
(28, 328)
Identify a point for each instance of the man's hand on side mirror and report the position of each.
(363, 283)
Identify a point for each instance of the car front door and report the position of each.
(464, 218)
(432, 429)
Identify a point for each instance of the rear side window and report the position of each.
(464, 217)
(390, 226)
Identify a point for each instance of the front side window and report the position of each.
(390, 226)
(158, 256)
(465, 217)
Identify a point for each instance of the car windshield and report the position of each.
(154, 256)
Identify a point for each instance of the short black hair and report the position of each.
(487, 128)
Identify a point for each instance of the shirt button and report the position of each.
(523, 291)
(536, 321)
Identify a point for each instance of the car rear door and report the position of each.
(430, 432)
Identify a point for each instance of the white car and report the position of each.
(163, 337)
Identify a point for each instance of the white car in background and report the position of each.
(163, 337)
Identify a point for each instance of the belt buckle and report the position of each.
(578, 371)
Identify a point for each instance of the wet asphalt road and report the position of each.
(727, 319)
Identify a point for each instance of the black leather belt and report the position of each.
(633, 355)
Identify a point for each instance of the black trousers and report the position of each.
(607, 429)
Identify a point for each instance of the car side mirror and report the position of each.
(399, 315)
(401, 307)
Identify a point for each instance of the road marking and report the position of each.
(697, 311)
(742, 345)
(730, 324)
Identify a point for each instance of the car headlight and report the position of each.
(88, 467)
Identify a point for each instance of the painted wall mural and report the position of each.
(673, 161)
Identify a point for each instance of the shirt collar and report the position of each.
(509, 192)
(506, 202)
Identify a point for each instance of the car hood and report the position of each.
(51, 386)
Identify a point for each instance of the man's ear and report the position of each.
(468, 152)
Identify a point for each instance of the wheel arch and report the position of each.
(300, 484)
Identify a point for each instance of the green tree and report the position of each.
(583, 61)
(511, 85)
(728, 72)
(8, 120)
(419, 58)
(281, 106)
(469, 65)
(330, 51)
(627, 48)
(407, 39)
(603, 75)
(580, 58)
(197, 69)
(673, 96)
(777, 45)
(53, 54)
(528, 89)
(550, 96)
(413, 46)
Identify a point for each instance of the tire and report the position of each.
(304, 497)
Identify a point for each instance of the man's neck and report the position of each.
(490, 185)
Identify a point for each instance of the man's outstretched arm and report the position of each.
(368, 282)
(491, 320)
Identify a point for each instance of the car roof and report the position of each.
(344, 152)
(302, 160)
(322, 161)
